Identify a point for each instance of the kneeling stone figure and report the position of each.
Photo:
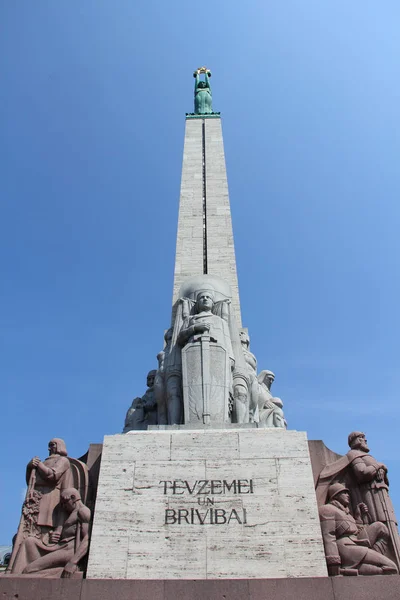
(350, 545)
(68, 544)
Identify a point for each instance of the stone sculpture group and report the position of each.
(206, 371)
(53, 535)
(358, 523)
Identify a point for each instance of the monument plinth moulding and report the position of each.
(206, 482)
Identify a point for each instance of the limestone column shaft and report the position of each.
(205, 238)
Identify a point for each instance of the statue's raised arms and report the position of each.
(202, 92)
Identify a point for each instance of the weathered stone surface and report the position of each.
(189, 245)
(307, 588)
(206, 504)
(221, 259)
(189, 241)
(29, 588)
(378, 586)
(289, 589)
(121, 590)
(206, 590)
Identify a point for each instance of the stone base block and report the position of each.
(321, 588)
(206, 504)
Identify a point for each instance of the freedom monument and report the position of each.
(207, 485)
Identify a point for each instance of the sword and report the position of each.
(205, 361)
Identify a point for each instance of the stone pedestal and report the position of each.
(206, 504)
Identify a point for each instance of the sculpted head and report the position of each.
(204, 301)
(168, 335)
(244, 339)
(201, 84)
(337, 491)
(57, 446)
(151, 375)
(69, 497)
(358, 441)
(270, 378)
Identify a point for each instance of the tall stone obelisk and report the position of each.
(204, 242)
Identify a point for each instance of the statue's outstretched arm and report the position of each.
(196, 81)
(207, 78)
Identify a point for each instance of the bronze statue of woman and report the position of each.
(202, 92)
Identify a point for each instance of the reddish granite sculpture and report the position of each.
(47, 479)
(42, 515)
(350, 546)
(68, 543)
(365, 480)
(371, 476)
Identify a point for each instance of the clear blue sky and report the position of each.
(93, 97)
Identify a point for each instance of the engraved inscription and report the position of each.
(208, 487)
(212, 516)
(201, 490)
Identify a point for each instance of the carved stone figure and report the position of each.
(159, 390)
(143, 411)
(205, 353)
(269, 407)
(371, 476)
(254, 386)
(67, 545)
(42, 514)
(367, 482)
(205, 322)
(135, 417)
(263, 407)
(46, 480)
(350, 546)
(202, 92)
(173, 380)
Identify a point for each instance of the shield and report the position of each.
(206, 381)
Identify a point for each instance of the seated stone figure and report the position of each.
(349, 544)
(67, 544)
(263, 407)
(269, 407)
(143, 411)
